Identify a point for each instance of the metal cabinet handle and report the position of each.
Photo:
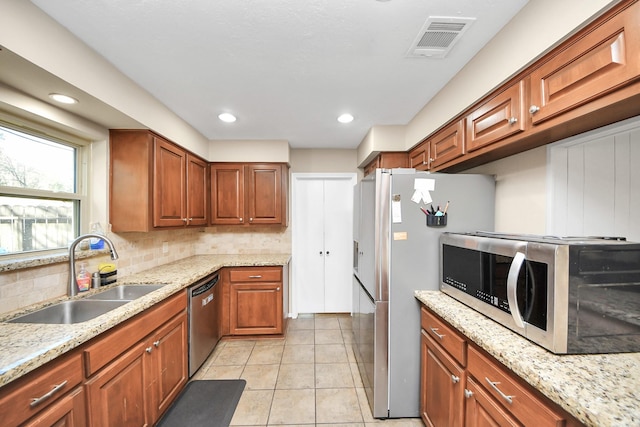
(38, 400)
(534, 109)
(250, 219)
(184, 220)
(156, 344)
(494, 385)
(468, 393)
(513, 120)
(434, 331)
(327, 252)
(455, 379)
(240, 219)
(320, 252)
(149, 350)
(259, 276)
(278, 289)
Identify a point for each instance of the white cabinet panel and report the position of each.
(595, 183)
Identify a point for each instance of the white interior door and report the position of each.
(338, 245)
(322, 223)
(308, 245)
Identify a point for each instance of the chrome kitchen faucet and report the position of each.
(73, 288)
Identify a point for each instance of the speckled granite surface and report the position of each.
(599, 390)
(25, 347)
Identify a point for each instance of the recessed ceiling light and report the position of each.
(64, 99)
(227, 117)
(345, 118)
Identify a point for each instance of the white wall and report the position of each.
(29, 32)
(538, 27)
(521, 191)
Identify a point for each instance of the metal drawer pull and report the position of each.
(455, 379)
(494, 385)
(156, 344)
(54, 390)
(434, 330)
(255, 277)
(468, 393)
(149, 350)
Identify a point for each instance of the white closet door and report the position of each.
(338, 244)
(322, 255)
(308, 255)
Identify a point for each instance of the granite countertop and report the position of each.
(25, 347)
(597, 389)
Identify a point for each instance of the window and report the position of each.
(39, 196)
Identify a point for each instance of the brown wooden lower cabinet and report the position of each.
(442, 401)
(117, 395)
(460, 385)
(255, 300)
(127, 376)
(483, 410)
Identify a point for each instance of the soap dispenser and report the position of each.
(83, 279)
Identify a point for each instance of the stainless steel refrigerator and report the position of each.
(395, 253)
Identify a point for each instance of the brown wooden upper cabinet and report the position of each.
(249, 194)
(154, 183)
(597, 63)
(387, 160)
(444, 146)
(497, 118)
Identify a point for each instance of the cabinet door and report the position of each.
(197, 190)
(482, 410)
(264, 194)
(66, 412)
(600, 62)
(256, 308)
(497, 118)
(442, 379)
(227, 194)
(447, 144)
(419, 156)
(117, 395)
(169, 185)
(169, 364)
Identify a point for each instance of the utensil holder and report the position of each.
(436, 221)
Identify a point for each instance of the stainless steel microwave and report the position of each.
(567, 294)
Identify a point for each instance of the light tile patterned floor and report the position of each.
(309, 378)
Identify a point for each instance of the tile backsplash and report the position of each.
(138, 252)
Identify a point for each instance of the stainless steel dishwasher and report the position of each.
(204, 330)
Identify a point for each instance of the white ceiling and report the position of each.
(286, 68)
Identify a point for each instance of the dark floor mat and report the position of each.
(208, 403)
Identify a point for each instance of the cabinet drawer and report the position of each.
(444, 335)
(38, 390)
(256, 275)
(522, 403)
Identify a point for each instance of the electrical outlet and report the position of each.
(165, 247)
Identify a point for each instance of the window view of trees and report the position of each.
(38, 200)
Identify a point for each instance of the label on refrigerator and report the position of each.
(400, 235)
(396, 209)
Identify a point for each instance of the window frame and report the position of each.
(79, 198)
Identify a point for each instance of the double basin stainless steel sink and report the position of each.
(82, 310)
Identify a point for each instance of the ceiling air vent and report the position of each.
(438, 35)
